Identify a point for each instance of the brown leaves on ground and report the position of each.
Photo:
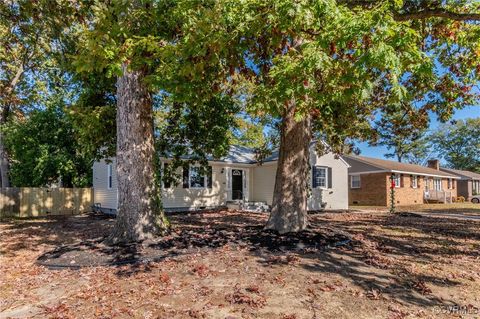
(289, 259)
(201, 270)
(397, 267)
(397, 313)
(374, 294)
(246, 297)
(421, 287)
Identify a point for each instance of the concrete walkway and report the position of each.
(450, 215)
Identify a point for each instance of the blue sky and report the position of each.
(378, 152)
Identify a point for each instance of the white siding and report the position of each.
(337, 196)
(176, 196)
(102, 195)
(263, 183)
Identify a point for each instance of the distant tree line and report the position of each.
(456, 142)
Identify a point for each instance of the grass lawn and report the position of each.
(394, 267)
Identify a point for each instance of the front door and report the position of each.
(237, 184)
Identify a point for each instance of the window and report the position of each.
(320, 177)
(355, 181)
(195, 177)
(397, 180)
(476, 187)
(426, 181)
(197, 180)
(109, 176)
(414, 179)
(437, 184)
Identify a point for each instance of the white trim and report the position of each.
(401, 172)
(369, 172)
(423, 174)
(426, 181)
(222, 163)
(326, 145)
(436, 184)
(271, 162)
(189, 179)
(163, 174)
(414, 178)
(228, 179)
(344, 161)
(359, 181)
(246, 192)
(325, 178)
(399, 178)
(244, 182)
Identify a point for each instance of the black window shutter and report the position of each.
(314, 174)
(330, 177)
(166, 184)
(185, 177)
(209, 177)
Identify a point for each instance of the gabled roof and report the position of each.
(274, 156)
(363, 164)
(462, 174)
(245, 155)
(239, 154)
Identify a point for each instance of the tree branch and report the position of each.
(422, 13)
(437, 13)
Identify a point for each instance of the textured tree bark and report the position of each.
(5, 111)
(4, 160)
(139, 214)
(289, 205)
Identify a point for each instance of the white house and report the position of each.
(236, 179)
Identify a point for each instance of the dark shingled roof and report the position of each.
(389, 166)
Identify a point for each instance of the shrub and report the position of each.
(460, 199)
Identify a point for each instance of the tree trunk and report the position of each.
(139, 214)
(289, 206)
(4, 161)
(6, 96)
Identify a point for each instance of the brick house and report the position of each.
(468, 184)
(370, 181)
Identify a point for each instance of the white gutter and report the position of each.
(402, 172)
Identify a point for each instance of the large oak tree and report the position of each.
(325, 69)
(127, 40)
(321, 67)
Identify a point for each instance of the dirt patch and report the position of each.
(226, 267)
(189, 241)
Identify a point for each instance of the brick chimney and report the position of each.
(434, 163)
